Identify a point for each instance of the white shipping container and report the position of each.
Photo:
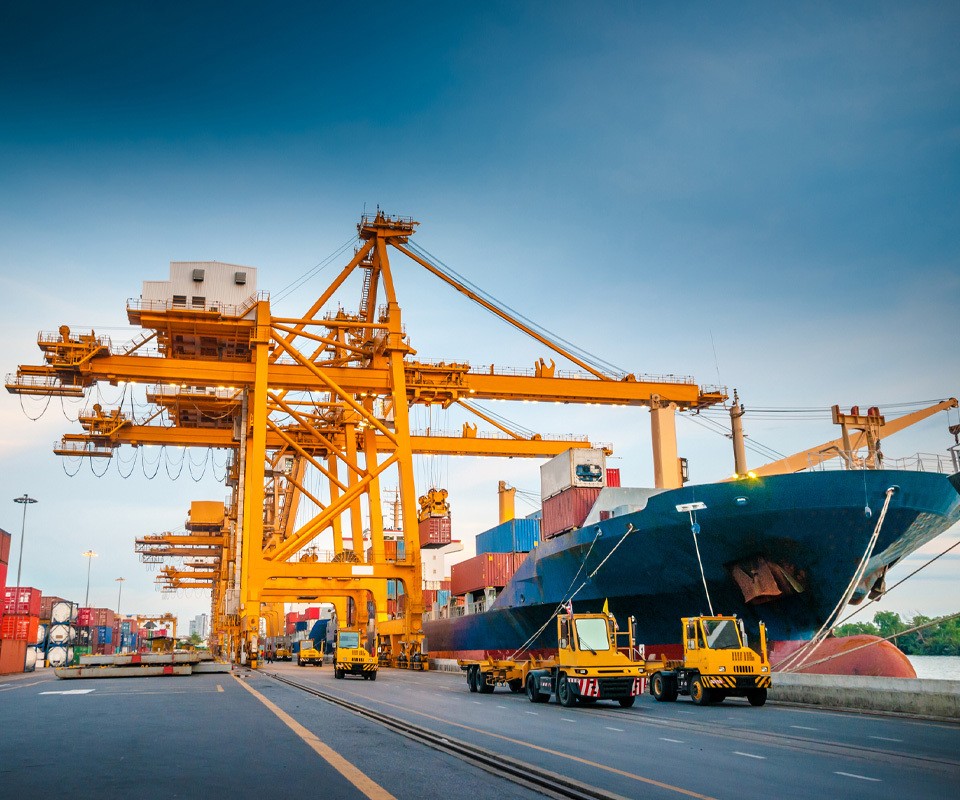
(584, 468)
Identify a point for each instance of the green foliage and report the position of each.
(195, 639)
(937, 640)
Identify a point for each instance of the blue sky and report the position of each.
(756, 195)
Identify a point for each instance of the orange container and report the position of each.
(13, 654)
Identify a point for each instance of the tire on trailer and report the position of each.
(663, 688)
(516, 685)
(627, 702)
(757, 697)
(483, 685)
(471, 677)
(533, 691)
(338, 673)
(699, 693)
(373, 675)
(565, 694)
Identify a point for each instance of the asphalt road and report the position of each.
(676, 749)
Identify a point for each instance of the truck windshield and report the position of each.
(350, 639)
(592, 634)
(722, 634)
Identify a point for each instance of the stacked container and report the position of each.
(61, 633)
(486, 570)
(514, 536)
(569, 486)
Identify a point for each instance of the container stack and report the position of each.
(61, 633)
(570, 484)
(18, 629)
(513, 536)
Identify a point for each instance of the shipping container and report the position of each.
(435, 531)
(63, 612)
(613, 477)
(488, 569)
(567, 510)
(582, 468)
(392, 604)
(18, 626)
(292, 616)
(13, 654)
(104, 635)
(5, 539)
(25, 604)
(312, 613)
(3, 577)
(443, 597)
(291, 628)
(300, 625)
(61, 633)
(391, 588)
(514, 536)
(85, 617)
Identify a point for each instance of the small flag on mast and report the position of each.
(606, 606)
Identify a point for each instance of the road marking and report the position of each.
(477, 703)
(70, 691)
(886, 739)
(749, 755)
(858, 777)
(802, 728)
(564, 719)
(219, 688)
(618, 730)
(675, 741)
(684, 712)
(365, 784)
(10, 687)
(4, 684)
(532, 712)
(501, 706)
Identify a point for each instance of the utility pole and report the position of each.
(24, 501)
(89, 555)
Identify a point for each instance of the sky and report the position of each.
(760, 196)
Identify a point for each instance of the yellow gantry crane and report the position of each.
(326, 394)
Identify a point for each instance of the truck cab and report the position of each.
(717, 663)
(351, 658)
(589, 665)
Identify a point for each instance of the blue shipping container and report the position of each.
(515, 536)
(391, 588)
(104, 634)
(301, 626)
(443, 597)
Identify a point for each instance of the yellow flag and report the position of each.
(606, 606)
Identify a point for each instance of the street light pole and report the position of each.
(119, 593)
(24, 501)
(89, 555)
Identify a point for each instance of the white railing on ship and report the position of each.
(919, 462)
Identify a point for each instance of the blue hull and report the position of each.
(814, 523)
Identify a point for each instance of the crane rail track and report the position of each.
(512, 769)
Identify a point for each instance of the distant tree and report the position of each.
(195, 639)
(937, 640)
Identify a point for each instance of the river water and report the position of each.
(945, 668)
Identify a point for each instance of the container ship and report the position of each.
(779, 549)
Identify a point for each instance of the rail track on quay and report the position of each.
(512, 769)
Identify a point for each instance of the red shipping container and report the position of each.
(13, 654)
(27, 603)
(435, 531)
(445, 585)
(488, 569)
(5, 539)
(292, 617)
(429, 597)
(392, 606)
(312, 613)
(85, 618)
(19, 627)
(567, 510)
(291, 628)
(3, 578)
(613, 477)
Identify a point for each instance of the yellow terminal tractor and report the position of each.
(587, 667)
(351, 658)
(717, 663)
(310, 655)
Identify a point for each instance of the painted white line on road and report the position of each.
(4, 684)
(501, 706)
(684, 712)
(858, 777)
(564, 719)
(618, 730)
(71, 691)
(749, 755)
(532, 712)
(476, 702)
(219, 688)
(802, 728)
(675, 741)
(886, 739)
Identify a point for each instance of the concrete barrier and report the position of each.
(914, 696)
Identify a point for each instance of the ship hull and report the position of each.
(813, 528)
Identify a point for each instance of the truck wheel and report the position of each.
(472, 678)
(484, 686)
(627, 702)
(757, 697)
(699, 693)
(663, 688)
(533, 691)
(516, 685)
(338, 674)
(718, 697)
(565, 695)
(373, 676)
